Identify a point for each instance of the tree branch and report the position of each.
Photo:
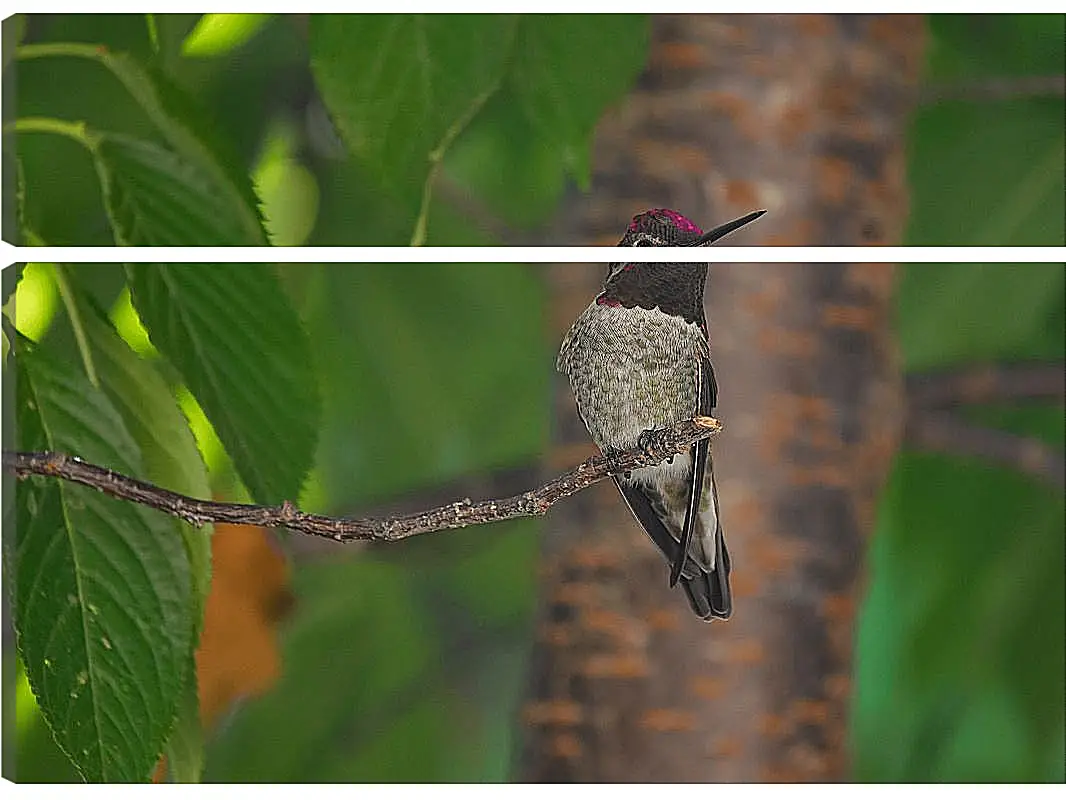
(986, 383)
(933, 426)
(990, 89)
(658, 445)
(931, 390)
(944, 432)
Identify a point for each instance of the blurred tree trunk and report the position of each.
(805, 116)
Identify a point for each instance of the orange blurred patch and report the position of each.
(595, 557)
(747, 651)
(565, 745)
(835, 177)
(556, 635)
(616, 666)
(707, 687)
(238, 654)
(741, 193)
(679, 56)
(664, 619)
(668, 720)
(554, 712)
(608, 622)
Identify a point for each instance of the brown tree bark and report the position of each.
(805, 116)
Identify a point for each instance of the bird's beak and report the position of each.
(715, 234)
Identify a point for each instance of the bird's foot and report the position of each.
(651, 443)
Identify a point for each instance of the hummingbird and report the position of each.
(638, 359)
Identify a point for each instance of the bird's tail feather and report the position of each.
(708, 594)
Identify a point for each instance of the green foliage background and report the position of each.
(406, 662)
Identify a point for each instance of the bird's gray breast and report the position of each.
(631, 369)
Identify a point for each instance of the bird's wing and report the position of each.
(716, 590)
(705, 391)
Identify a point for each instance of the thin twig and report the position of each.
(660, 444)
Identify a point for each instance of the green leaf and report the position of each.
(978, 312)
(383, 609)
(23, 233)
(969, 46)
(153, 32)
(392, 341)
(152, 416)
(401, 86)
(37, 757)
(103, 611)
(154, 198)
(172, 461)
(34, 303)
(10, 281)
(959, 652)
(988, 171)
(965, 604)
(567, 68)
(508, 165)
(192, 137)
(194, 156)
(185, 746)
(991, 173)
(232, 334)
(536, 130)
(218, 34)
(14, 30)
(437, 692)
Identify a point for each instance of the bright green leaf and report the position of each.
(289, 191)
(211, 448)
(231, 332)
(35, 298)
(103, 611)
(128, 325)
(217, 34)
